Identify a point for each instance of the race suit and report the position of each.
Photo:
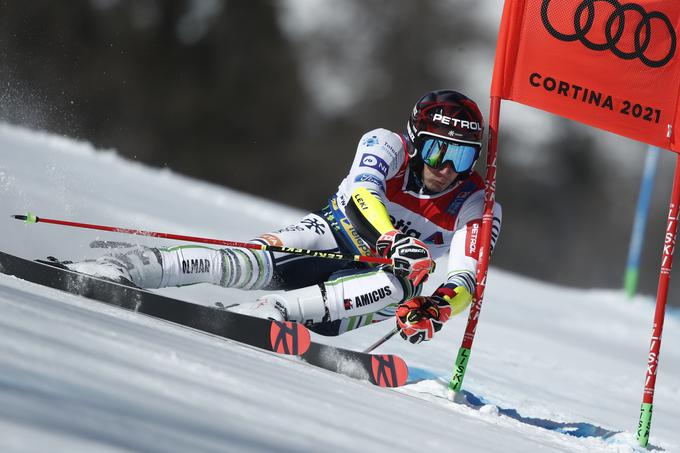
(353, 294)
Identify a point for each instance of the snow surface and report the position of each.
(552, 368)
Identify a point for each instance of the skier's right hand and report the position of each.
(410, 256)
(419, 318)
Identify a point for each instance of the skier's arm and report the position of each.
(419, 318)
(464, 251)
(410, 256)
(379, 156)
(368, 215)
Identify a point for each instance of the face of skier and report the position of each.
(443, 160)
(438, 180)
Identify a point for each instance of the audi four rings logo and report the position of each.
(614, 30)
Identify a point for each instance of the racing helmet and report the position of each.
(445, 128)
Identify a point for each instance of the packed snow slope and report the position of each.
(552, 368)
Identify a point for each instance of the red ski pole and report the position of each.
(31, 218)
(645, 423)
(456, 382)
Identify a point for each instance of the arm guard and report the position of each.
(458, 298)
(368, 215)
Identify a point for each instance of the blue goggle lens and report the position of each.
(437, 152)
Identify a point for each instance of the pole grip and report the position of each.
(28, 218)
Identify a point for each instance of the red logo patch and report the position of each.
(272, 240)
(472, 239)
(348, 304)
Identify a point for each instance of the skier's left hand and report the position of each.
(419, 318)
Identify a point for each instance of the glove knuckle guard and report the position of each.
(418, 319)
(410, 256)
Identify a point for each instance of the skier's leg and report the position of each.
(124, 263)
(254, 269)
(348, 300)
(234, 267)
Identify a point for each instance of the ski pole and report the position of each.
(32, 218)
(382, 340)
(645, 423)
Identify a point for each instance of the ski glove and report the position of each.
(419, 318)
(410, 256)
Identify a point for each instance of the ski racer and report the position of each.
(410, 197)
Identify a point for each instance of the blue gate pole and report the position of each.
(630, 280)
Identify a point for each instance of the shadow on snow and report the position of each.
(475, 402)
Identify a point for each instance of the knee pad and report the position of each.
(358, 293)
(348, 294)
(307, 305)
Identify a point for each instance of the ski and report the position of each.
(281, 337)
(290, 338)
(383, 370)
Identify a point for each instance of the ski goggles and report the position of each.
(437, 152)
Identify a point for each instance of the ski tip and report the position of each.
(389, 370)
(289, 338)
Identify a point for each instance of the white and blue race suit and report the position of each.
(354, 294)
